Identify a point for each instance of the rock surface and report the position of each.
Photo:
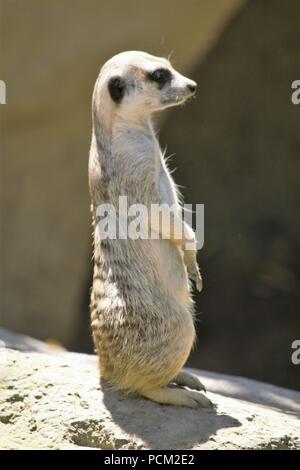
(55, 401)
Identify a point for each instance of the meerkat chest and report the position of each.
(136, 157)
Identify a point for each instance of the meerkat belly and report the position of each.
(142, 329)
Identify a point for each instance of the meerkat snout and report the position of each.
(192, 87)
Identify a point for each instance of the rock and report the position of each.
(20, 342)
(56, 402)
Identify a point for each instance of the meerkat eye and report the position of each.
(116, 87)
(160, 76)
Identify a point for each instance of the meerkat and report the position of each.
(141, 303)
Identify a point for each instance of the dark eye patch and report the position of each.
(160, 76)
(116, 87)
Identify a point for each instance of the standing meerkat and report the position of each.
(141, 304)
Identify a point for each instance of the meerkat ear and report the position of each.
(116, 87)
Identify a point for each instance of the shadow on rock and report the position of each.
(162, 426)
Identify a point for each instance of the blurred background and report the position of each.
(237, 151)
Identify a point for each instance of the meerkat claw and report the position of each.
(186, 379)
(202, 400)
(199, 400)
(199, 284)
(196, 277)
(194, 273)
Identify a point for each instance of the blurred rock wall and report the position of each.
(50, 55)
(238, 152)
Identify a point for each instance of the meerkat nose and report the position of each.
(192, 87)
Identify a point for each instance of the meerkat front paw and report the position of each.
(185, 379)
(190, 260)
(197, 278)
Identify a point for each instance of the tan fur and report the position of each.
(141, 305)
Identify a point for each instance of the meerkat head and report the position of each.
(135, 84)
